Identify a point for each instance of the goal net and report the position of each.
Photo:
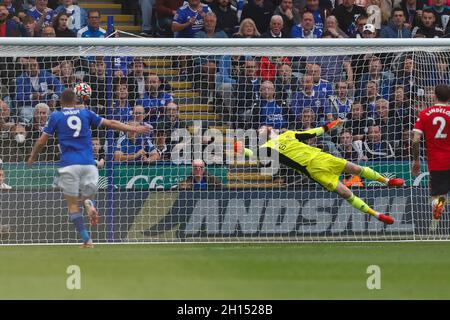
(185, 182)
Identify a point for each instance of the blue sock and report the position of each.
(77, 220)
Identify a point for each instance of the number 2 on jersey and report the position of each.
(439, 134)
(74, 123)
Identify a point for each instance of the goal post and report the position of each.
(200, 96)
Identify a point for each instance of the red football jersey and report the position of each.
(434, 124)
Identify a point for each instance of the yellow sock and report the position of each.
(371, 174)
(359, 204)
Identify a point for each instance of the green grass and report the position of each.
(228, 271)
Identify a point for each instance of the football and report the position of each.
(83, 91)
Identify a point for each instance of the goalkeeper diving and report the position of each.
(322, 167)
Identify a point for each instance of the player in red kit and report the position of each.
(434, 124)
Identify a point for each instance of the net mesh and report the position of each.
(189, 184)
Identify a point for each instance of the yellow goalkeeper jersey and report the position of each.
(290, 144)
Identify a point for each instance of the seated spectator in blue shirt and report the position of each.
(397, 28)
(42, 14)
(122, 110)
(310, 98)
(189, 19)
(130, 147)
(209, 28)
(307, 28)
(382, 78)
(77, 15)
(268, 112)
(320, 14)
(340, 103)
(35, 86)
(92, 30)
(154, 99)
(371, 98)
(320, 85)
(200, 179)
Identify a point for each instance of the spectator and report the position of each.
(275, 28)
(383, 79)
(345, 147)
(442, 73)
(61, 28)
(290, 15)
(97, 81)
(189, 19)
(360, 22)
(227, 20)
(3, 185)
(99, 152)
(165, 11)
(413, 11)
(248, 91)
(131, 148)
(30, 26)
(320, 85)
(139, 114)
(400, 108)
(209, 28)
(136, 81)
(227, 77)
(154, 99)
(48, 32)
(331, 26)
(334, 68)
(121, 110)
(17, 147)
(397, 28)
(427, 26)
(340, 104)
(247, 29)
(309, 98)
(15, 9)
(346, 14)
(387, 124)
(320, 13)
(5, 118)
(34, 130)
(35, 86)
(260, 12)
(307, 28)
(441, 12)
(285, 85)
(200, 178)
(42, 14)
(66, 74)
(77, 16)
(372, 96)
(357, 121)
(92, 30)
(267, 111)
(369, 31)
(147, 15)
(9, 27)
(172, 118)
(374, 147)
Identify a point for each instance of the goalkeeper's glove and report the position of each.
(333, 124)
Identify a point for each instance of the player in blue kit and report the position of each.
(78, 174)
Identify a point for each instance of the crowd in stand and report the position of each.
(378, 94)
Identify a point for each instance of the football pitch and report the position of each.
(228, 271)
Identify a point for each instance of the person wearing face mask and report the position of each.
(16, 147)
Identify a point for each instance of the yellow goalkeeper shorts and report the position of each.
(326, 169)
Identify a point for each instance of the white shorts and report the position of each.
(78, 180)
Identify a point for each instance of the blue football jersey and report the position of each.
(183, 15)
(73, 128)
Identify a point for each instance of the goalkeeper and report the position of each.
(324, 168)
